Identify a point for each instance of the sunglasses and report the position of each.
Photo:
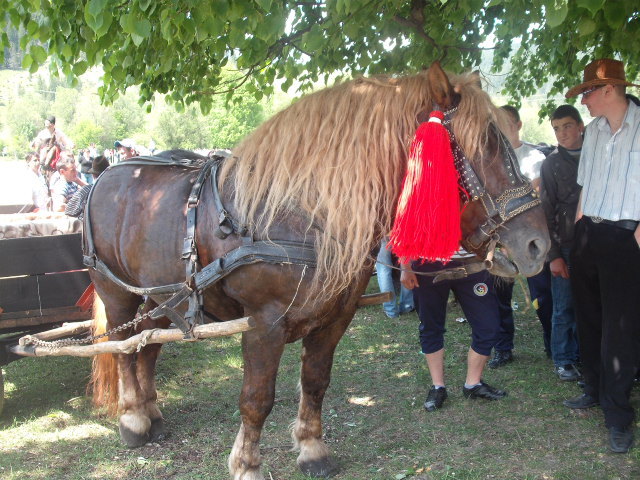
(586, 93)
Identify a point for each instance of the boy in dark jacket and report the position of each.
(560, 194)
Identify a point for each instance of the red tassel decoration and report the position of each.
(427, 223)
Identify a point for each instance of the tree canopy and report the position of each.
(180, 47)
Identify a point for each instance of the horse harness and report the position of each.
(513, 201)
(197, 278)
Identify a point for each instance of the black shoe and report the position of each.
(435, 398)
(581, 401)
(568, 373)
(483, 391)
(500, 358)
(620, 439)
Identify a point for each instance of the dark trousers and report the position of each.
(540, 291)
(605, 280)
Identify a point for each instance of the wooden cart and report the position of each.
(43, 282)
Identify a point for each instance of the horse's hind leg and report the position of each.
(261, 352)
(146, 375)
(317, 358)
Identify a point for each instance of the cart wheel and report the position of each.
(1, 392)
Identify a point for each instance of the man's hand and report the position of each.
(408, 280)
(559, 268)
(636, 234)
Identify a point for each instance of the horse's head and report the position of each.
(502, 209)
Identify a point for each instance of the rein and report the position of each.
(467, 268)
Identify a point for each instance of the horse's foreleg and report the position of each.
(261, 360)
(317, 358)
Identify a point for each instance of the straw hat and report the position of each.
(601, 72)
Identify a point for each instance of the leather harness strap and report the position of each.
(197, 279)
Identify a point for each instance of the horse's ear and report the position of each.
(475, 76)
(441, 89)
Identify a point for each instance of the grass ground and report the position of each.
(373, 416)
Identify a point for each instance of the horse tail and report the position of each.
(104, 369)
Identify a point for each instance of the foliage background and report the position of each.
(26, 100)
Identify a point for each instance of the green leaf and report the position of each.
(144, 4)
(66, 51)
(586, 26)
(592, 5)
(80, 67)
(107, 19)
(137, 39)
(142, 28)
(313, 39)
(38, 53)
(95, 7)
(27, 61)
(32, 27)
(555, 12)
(614, 14)
(264, 4)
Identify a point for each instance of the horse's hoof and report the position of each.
(321, 468)
(157, 433)
(134, 430)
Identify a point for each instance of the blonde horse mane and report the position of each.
(339, 156)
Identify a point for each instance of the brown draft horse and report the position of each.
(327, 169)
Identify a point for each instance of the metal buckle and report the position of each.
(597, 219)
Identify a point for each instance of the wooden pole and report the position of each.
(66, 330)
(130, 345)
(374, 299)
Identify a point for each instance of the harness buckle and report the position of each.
(188, 247)
(89, 261)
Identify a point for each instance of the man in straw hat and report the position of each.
(605, 258)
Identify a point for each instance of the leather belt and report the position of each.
(626, 224)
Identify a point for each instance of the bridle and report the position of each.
(516, 199)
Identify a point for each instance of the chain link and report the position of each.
(57, 344)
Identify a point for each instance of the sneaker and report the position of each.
(435, 398)
(568, 373)
(620, 439)
(483, 390)
(500, 358)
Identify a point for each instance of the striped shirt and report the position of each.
(609, 169)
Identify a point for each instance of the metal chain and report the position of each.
(57, 344)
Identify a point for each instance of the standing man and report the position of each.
(605, 258)
(479, 303)
(559, 195)
(530, 160)
(399, 304)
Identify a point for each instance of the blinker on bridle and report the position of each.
(516, 199)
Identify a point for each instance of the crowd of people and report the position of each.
(56, 174)
(587, 296)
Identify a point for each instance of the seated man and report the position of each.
(75, 206)
(68, 184)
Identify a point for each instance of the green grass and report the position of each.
(373, 416)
